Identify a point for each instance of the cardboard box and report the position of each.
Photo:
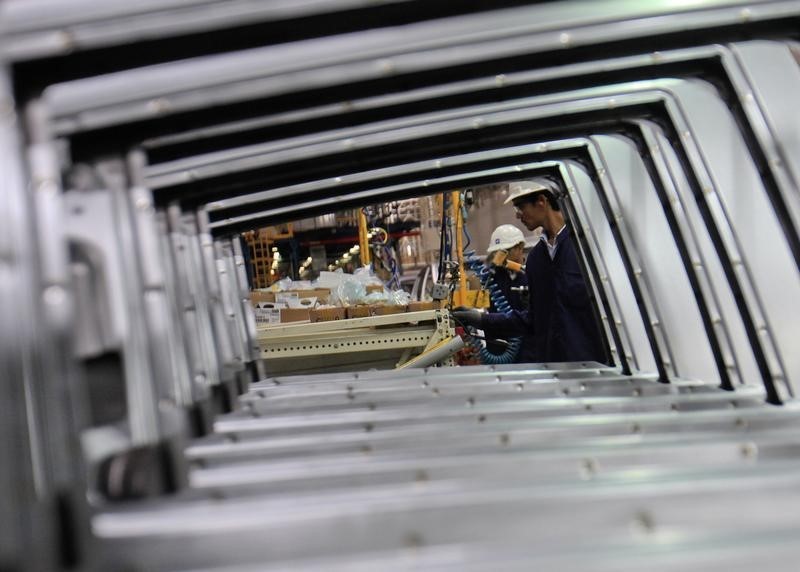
(321, 294)
(362, 311)
(419, 306)
(289, 315)
(385, 310)
(374, 288)
(327, 314)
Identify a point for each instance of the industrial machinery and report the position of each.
(141, 427)
(370, 342)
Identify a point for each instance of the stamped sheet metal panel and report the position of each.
(606, 252)
(205, 281)
(439, 44)
(742, 88)
(43, 28)
(683, 336)
(724, 311)
(644, 65)
(665, 89)
(194, 300)
(750, 229)
(470, 119)
(110, 238)
(772, 84)
(23, 478)
(381, 518)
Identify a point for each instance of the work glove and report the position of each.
(468, 317)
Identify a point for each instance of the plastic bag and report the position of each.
(376, 298)
(367, 277)
(350, 292)
(282, 285)
(399, 297)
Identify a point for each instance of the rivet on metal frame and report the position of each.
(386, 66)
(643, 522)
(745, 14)
(587, 469)
(159, 105)
(748, 451)
(66, 39)
(412, 540)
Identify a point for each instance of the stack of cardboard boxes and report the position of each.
(313, 306)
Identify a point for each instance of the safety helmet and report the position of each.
(504, 237)
(519, 189)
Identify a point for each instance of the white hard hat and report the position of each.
(504, 237)
(519, 189)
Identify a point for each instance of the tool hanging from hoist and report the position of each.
(382, 254)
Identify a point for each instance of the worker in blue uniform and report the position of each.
(559, 323)
(505, 253)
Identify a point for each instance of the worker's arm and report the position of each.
(508, 324)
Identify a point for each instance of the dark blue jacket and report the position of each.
(502, 278)
(559, 324)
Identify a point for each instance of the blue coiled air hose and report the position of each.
(502, 305)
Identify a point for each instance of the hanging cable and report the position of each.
(485, 276)
(443, 238)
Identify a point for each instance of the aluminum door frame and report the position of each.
(515, 171)
(770, 366)
(168, 88)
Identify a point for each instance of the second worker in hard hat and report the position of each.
(560, 323)
(505, 257)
